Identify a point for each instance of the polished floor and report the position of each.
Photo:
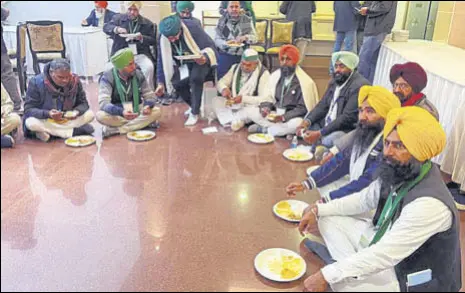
(184, 212)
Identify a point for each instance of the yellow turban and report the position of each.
(418, 130)
(138, 4)
(381, 99)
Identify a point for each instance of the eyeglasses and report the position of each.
(397, 145)
(402, 86)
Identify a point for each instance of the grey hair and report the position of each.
(60, 64)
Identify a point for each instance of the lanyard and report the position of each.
(123, 91)
(133, 29)
(286, 87)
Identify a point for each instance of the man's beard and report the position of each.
(401, 97)
(341, 78)
(287, 70)
(392, 172)
(366, 133)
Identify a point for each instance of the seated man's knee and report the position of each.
(156, 113)
(89, 116)
(15, 120)
(102, 116)
(32, 124)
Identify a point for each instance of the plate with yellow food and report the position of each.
(271, 116)
(234, 44)
(80, 141)
(290, 210)
(260, 138)
(141, 135)
(298, 155)
(280, 265)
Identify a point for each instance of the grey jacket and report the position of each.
(381, 17)
(301, 13)
(345, 16)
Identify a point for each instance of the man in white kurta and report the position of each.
(244, 86)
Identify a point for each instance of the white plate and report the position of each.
(298, 155)
(235, 45)
(311, 169)
(296, 206)
(188, 57)
(260, 138)
(128, 36)
(146, 135)
(80, 141)
(272, 257)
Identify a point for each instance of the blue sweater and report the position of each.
(339, 166)
(201, 38)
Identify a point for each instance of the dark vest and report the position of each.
(440, 253)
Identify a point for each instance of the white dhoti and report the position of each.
(274, 129)
(63, 130)
(226, 115)
(342, 237)
(10, 122)
(124, 126)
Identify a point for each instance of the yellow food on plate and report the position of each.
(140, 136)
(288, 267)
(298, 156)
(284, 209)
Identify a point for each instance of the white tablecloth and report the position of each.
(86, 47)
(446, 79)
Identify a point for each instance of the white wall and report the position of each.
(204, 5)
(402, 7)
(71, 13)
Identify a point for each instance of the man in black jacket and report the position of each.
(337, 112)
(136, 32)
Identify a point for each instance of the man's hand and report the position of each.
(327, 158)
(84, 22)
(147, 111)
(302, 127)
(238, 100)
(293, 188)
(364, 10)
(56, 115)
(308, 221)
(139, 37)
(316, 283)
(201, 61)
(121, 31)
(160, 90)
(128, 115)
(265, 111)
(242, 39)
(226, 93)
(311, 137)
(278, 118)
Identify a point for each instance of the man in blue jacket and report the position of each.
(180, 38)
(99, 16)
(359, 161)
(56, 104)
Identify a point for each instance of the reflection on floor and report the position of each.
(185, 211)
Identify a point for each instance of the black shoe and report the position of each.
(86, 129)
(320, 250)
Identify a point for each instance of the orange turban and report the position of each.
(101, 4)
(291, 52)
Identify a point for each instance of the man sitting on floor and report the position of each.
(179, 38)
(125, 98)
(245, 85)
(359, 161)
(413, 242)
(10, 120)
(294, 94)
(56, 104)
(336, 113)
(233, 32)
(136, 32)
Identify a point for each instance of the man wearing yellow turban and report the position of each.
(132, 30)
(413, 241)
(125, 98)
(359, 161)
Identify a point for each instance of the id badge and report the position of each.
(184, 72)
(419, 278)
(133, 48)
(366, 238)
(280, 111)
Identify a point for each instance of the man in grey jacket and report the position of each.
(301, 13)
(381, 16)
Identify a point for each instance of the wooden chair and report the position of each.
(46, 41)
(18, 57)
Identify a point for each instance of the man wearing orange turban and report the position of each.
(99, 16)
(413, 241)
(294, 93)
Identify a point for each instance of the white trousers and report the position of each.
(274, 129)
(10, 122)
(63, 130)
(226, 115)
(342, 236)
(327, 189)
(124, 126)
